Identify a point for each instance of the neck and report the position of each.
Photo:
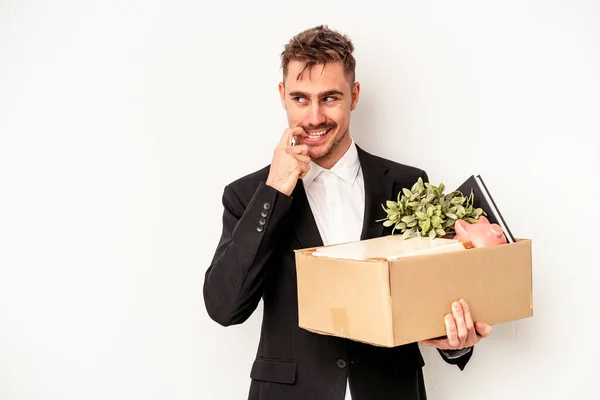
(331, 159)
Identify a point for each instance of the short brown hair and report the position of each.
(319, 45)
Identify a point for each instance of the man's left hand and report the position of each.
(461, 331)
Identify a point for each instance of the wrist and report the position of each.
(278, 187)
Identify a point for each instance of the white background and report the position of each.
(121, 122)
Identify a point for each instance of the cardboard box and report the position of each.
(387, 299)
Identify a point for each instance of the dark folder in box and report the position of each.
(483, 199)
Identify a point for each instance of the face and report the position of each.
(320, 101)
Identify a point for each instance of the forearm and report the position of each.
(233, 282)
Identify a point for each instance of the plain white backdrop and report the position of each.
(121, 122)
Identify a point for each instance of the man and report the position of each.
(323, 190)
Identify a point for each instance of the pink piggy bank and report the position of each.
(480, 234)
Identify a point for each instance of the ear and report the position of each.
(483, 219)
(460, 227)
(282, 94)
(355, 95)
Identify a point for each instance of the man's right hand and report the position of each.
(289, 162)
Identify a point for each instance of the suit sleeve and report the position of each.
(233, 283)
(460, 361)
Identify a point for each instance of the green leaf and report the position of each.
(450, 215)
(408, 219)
(426, 225)
(458, 200)
(407, 233)
(415, 187)
(412, 224)
(388, 223)
(440, 232)
(442, 187)
(421, 215)
(432, 234)
(430, 211)
(391, 204)
(406, 192)
(402, 225)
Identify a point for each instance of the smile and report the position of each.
(318, 134)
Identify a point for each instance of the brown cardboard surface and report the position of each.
(495, 281)
(346, 298)
(393, 302)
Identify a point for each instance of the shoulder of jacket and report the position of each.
(248, 183)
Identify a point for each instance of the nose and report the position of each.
(316, 116)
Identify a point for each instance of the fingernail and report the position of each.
(448, 318)
(456, 306)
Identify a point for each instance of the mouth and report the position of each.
(316, 136)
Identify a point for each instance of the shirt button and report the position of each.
(262, 221)
(267, 205)
(264, 213)
(341, 363)
(259, 228)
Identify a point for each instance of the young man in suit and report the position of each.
(321, 191)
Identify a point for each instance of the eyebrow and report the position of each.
(320, 95)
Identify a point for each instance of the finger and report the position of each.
(439, 343)
(461, 327)
(287, 135)
(483, 329)
(302, 158)
(472, 335)
(299, 149)
(451, 331)
(303, 169)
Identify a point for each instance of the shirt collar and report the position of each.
(346, 168)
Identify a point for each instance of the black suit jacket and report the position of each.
(255, 259)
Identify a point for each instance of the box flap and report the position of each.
(388, 247)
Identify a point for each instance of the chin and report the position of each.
(316, 153)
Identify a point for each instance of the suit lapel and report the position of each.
(303, 220)
(379, 188)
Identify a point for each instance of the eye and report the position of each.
(299, 99)
(329, 99)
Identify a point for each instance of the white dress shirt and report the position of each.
(337, 200)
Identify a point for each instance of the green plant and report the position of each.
(424, 210)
